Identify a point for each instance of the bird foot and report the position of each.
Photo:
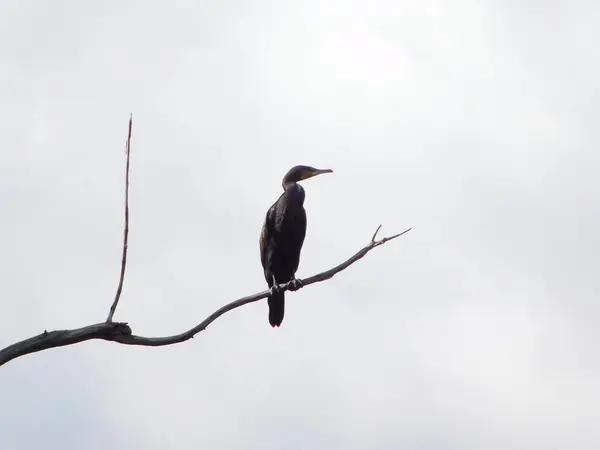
(295, 284)
(275, 289)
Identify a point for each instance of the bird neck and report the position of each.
(288, 184)
(293, 190)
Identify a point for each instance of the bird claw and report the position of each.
(275, 289)
(295, 284)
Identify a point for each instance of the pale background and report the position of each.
(476, 123)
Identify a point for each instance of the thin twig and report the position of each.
(375, 234)
(121, 332)
(126, 231)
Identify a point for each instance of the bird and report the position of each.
(282, 236)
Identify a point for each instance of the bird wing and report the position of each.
(268, 229)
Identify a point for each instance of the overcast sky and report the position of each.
(475, 123)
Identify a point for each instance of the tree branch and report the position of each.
(113, 307)
(121, 332)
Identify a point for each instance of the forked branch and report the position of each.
(121, 332)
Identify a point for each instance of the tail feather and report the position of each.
(276, 308)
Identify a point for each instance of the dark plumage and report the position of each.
(282, 237)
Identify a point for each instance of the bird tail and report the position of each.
(276, 307)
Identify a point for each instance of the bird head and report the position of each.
(299, 173)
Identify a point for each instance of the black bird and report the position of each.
(282, 237)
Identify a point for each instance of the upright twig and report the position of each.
(126, 232)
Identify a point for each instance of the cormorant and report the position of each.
(282, 237)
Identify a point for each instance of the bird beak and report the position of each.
(320, 171)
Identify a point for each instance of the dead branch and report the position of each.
(121, 332)
(113, 307)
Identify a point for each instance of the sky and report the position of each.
(474, 123)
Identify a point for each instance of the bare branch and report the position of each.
(113, 307)
(121, 332)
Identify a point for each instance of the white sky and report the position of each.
(473, 122)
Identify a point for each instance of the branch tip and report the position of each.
(375, 234)
(397, 235)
